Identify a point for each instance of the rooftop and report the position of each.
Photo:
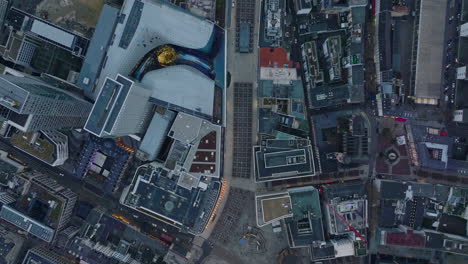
(276, 58)
(408, 239)
(283, 159)
(439, 152)
(272, 207)
(182, 86)
(197, 146)
(335, 132)
(393, 190)
(44, 30)
(43, 255)
(305, 227)
(292, 89)
(324, 96)
(42, 149)
(182, 200)
(115, 95)
(110, 240)
(145, 25)
(101, 163)
(156, 133)
(98, 47)
(272, 25)
(26, 223)
(428, 76)
(348, 201)
(453, 225)
(271, 73)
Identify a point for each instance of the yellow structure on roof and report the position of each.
(166, 55)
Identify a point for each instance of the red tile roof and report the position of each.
(276, 57)
(408, 239)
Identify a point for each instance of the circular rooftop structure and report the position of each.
(169, 206)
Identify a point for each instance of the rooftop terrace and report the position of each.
(272, 207)
(43, 149)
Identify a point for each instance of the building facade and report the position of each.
(57, 201)
(43, 255)
(35, 105)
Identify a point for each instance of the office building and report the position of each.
(307, 222)
(49, 146)
(35, 105)
(120, 109)
(66, 197)
(184, 68)
(41, 46)
(460, 116)
(407, 207)
(303, 7)
(183, 184)
(97, 50)
(55, 202)
(334, 6)
(43, 255)
(426, 76)
(282, 159)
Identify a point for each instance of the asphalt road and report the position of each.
(450, 54)
(107, 203)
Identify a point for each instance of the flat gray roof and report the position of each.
(185, 128)
(430, 52)
(280, 159)
(182, 85)
(103, 107)
(97, 49)
(156, 133)
(55, 34)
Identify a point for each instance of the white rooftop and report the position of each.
(182, 85)
(49, 32)
(269, 73)
(159, 24)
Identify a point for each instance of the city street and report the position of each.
(243, 68)
(450, 65)
(108, 204)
